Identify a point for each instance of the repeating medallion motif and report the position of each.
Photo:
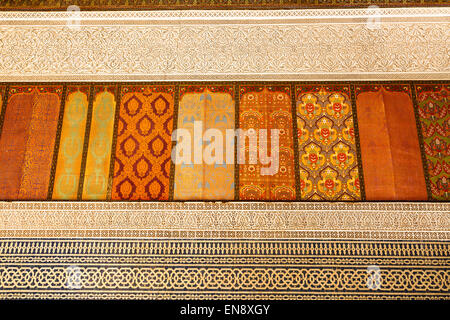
(268, 108)
(142, 162)
(326, 140)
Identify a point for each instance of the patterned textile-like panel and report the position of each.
(203, 173)
(266, 108)
(143, 147)
(326, 139)
(434, 113)
(323, 141)
(27, 141)
(95, 177)
(67, 174)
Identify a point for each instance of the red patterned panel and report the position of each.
(27, 142)
(143, 148)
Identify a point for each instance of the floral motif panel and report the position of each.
(268, 108)
(326, 141)
(434, 114)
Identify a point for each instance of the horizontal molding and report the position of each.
(229, 220)
(145, 295)
(390, 76)
(207, 4)
(333, 44)
(175, 16)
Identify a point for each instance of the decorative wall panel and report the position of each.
(234, 250)
(326, 139)
(267, 108)
(27, 141)
(71, 144)
(213, 108)
(14, 136)
(214, 250)
(342, 44)
(95, 151)
(434, 114)
(98, 157)
(390, 149)
(144, 145)
(345, 140)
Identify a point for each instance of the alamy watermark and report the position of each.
(73, 277)
(374, 280)
(74, 21)
(374, 17)
(211, 147)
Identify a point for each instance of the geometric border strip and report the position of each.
(133, 295)
(356, 252)
(206, 4)
(227, 220)
(195, 16)
(405, 43)
(217, 269)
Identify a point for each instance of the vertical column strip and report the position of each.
(205, 127)
(114, 142)
(96, 176)
(295, 140)
(236, 140)
(174, 127)
(57, 143)
(3, 111)
(86, 142)
(357, 143)
(421, 140)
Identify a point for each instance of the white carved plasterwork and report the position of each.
(194, 45)
(124, 17)
(265, 220)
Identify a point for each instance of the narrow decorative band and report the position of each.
(338, 44)
(234, 220)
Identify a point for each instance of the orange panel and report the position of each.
(142, 163)
(405, 149)
(40, 146)
(267, 107)
(13, 144)
(27, 142)
(390, 150)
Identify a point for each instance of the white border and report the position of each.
(411, 44)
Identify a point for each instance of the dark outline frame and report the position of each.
(236, 85)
